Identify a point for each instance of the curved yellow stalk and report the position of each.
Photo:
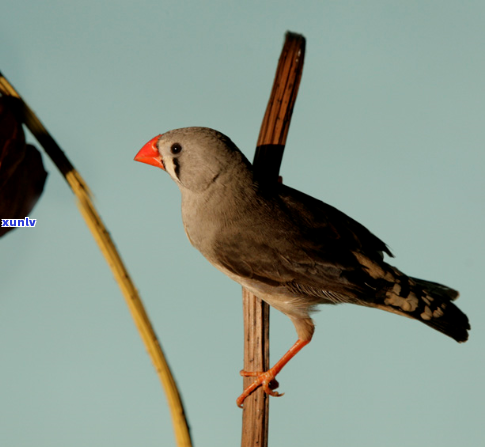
(108, 248)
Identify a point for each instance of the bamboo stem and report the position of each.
(108, 248)
(267, 161)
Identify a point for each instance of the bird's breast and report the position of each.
(217, 217)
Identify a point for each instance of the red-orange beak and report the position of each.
(149, 154)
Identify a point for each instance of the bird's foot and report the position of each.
(266, 380)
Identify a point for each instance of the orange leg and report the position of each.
(267, 379)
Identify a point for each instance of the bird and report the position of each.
(289, 249)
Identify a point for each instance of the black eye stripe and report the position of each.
(176, 148)
(176, 168)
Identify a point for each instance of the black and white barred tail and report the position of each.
(428, 302)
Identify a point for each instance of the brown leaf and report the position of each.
(12, 138)
(22, 174)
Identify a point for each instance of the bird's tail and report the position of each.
(453, 322)
(428, 302)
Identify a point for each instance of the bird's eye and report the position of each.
(176, 148)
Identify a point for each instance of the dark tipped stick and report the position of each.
(267, 162)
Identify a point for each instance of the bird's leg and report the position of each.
(267, 379)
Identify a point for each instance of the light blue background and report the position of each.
(388, 127)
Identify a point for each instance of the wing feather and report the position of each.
(303, 245)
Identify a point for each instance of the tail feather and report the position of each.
(453, 322)
(428, 302)
(438, 290)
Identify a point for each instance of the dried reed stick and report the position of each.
(267, 161)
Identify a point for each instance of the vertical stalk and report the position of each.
(267, 162)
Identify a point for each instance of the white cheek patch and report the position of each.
(171, 168)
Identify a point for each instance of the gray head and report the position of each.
(195, 157)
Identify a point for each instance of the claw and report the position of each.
(250, 373)
(267, 379)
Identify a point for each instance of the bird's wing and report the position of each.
(303, 245)
(326, 222)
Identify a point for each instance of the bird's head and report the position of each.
(195, 157)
